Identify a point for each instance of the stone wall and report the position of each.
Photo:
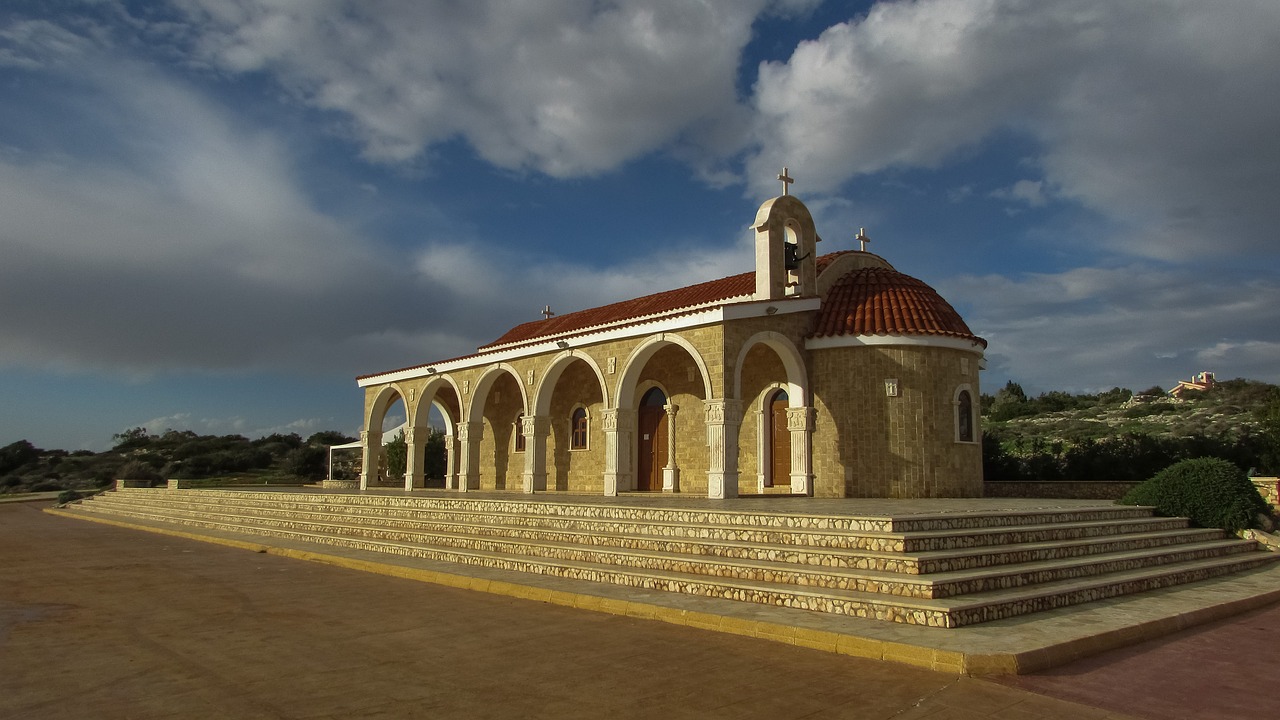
(1269, 488)
(869, 443)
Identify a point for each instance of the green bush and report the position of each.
(67, 496)
(1212, 492)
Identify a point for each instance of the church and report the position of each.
(828, 375)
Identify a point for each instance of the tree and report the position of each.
(308, 461)
(15, 455)
(397, 456)
(1010, 402)
(329, 437)
(131, 438)
(434, 459)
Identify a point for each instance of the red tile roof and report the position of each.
(707, 293)
(882, 301)
(869, 301)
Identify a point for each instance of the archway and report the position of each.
(498, 404)
(651, 440)
(778, 439)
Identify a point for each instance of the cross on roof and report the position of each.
(786, 180)
(546, 312)
(863, 239)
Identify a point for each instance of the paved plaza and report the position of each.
(106, 622)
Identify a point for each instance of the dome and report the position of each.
(883, 301)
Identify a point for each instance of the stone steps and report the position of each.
(634, 539)
(864, 541)
(1093, 556)
(788, 570)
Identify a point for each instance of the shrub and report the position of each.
(1210, 491)
(67, 496)
(138, 470)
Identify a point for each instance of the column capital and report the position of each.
(723, 412)
(800, 418)
(469, 429)
(618, 420)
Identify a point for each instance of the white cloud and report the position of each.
(1030, 192)
(565, 87)
(1158, 115)
(1129, 326)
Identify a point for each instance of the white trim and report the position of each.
(687, 319)
(940, 341)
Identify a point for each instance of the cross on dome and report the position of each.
(863, 239)
(786, 180)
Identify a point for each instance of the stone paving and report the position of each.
(104, 622)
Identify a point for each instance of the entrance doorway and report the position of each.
(651, 454)
(779, 438)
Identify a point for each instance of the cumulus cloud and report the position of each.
(1126, 326)
(180, 237)
(567, 87)
(1157, 115)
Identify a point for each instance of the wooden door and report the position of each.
(779, 441)
(652, 452)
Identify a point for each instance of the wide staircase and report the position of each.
(939, 569)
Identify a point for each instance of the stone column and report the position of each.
(535, 452)
(469, 434)
(800, 424)
(724, 417)
(671, 473)
(619, 427)
(450, 469)
(371, 441)
(414, 459)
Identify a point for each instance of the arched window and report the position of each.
(519, 432)
(964, 416)
(578, 425)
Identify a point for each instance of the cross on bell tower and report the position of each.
(786, 180)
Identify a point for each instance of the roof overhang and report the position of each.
(680, 320)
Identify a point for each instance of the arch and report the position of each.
(626, 391)
(383, 401)
(792, 362)
(450, 424)
(475, 407)
(428, 398)
(546, 386)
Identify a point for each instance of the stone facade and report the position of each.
(864, 410)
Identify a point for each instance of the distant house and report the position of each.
(1198, 383)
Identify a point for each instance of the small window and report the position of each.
(519, 432)
(964, 417)
(578, 423)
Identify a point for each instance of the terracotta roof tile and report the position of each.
(882, 301)
(707, 293)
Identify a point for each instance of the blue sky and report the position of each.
(214, 214)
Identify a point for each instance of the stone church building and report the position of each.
(824, 375)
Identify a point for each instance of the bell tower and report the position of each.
(786, 245)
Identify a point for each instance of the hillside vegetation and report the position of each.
(173, 454)
(1120, 435)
